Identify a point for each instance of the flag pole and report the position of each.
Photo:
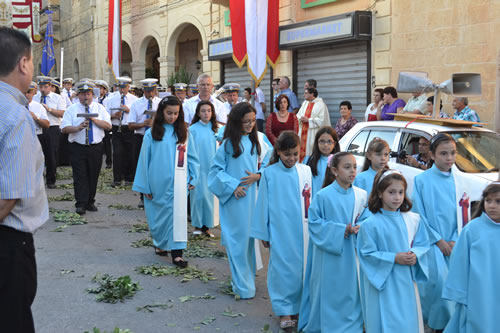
(62, 66)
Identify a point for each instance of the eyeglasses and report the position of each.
(248, 122)
(326, 142)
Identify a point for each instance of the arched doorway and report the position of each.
(125, 67)
(76, 70)
(151, 60)
(187, 51)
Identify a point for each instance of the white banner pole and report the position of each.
(62, 66)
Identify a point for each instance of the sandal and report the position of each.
(287, 325)
(160, 252)
(208, 234)
(181, 263)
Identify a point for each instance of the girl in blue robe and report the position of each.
(434, 199)
(392, 246)
(278, 222)
(376, 158)
(232, 178)
(203, 129)
(325, 143)
(155, 173)
(333, 304)
(474, 270)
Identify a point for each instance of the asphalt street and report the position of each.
(69, 256)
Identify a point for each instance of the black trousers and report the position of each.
(50, 146)
(107, 148)
(63, 155)
(86, 163)
(123, 154)
(260, 125)
(18, 280)
(137, 149)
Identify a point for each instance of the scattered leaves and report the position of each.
(184, 299)
(67, 196)
(146, 242)
(266, 329)
(112, 290)
(208, 320)
(66, 271)
(227, 289)
(149, 307)
(197, 248)
(116, 330)
(139, 228)
(64, 173)
(124, 207)
(189, 273)
(66, 217)
(68, 186)
(228, 312)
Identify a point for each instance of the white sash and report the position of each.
(412, 221)
(305, 189)
(180, 194)
(467, 189)
(216, 200)
(264, 148)
(360, 200)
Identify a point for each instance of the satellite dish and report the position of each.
(460, 84)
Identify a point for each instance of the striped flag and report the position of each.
(115, 36)
(255, 35)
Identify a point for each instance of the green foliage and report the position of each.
(124, 207)
(112, 290)
(139, 228)
(146, 242)
(64, 186)
(189, 273)
(67, 196)
(64, 173)
(66, 217)
(116, 330)
(184, 299)
(228, 312)
(149, 307)
(181, 76)
(199, 248)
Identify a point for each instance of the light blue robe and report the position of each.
(365, 180)
(434, 200)
(473, 278)
(318, 180)
(333, 304)
(389, 291)
(202, 200)
(278, 220)
(155, 176)
(235, 214)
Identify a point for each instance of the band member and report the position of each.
(139, 120)
(192, 90)
(123, 137)
(85, 137)
(103, 99)
(68, 93)
(232, 90)
(54, 105)
(180, 91)
(37, 111)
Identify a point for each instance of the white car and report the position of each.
(478, 149)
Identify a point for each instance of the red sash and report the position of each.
(303, 134)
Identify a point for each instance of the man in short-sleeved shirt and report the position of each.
(463, 111)
(23, 201)
(285, 90)
(417, 104)
(260, 107)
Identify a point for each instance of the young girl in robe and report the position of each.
(232, 178)
(325, 143)
(168, 165)
(203, 129)
(391, 246)
(376, 158)
(278, 220)
(474, 270)
(333, 302)
(434, 198)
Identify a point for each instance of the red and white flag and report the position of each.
(255, 34)
(115, 36)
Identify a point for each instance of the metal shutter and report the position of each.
(234, 74)
(341, 72)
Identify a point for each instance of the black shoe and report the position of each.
(128, 183)
(80, 210)
(180, 263)
(91, 208)
(141, 204)
(116, 184)
(51, 186)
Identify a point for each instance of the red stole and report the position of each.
(303, 133)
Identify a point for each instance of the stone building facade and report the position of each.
(439, 37)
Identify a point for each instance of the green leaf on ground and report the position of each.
(208, 320)
(124, 207)
(64, 186)
(66, 217)
(266, 329)
(198, 248)
(116, 330)
(189, 273)
(228, 312)
(66, 271)
(64, 173)
(227, 289)
(139, 228)
(149, 307)
(184, 299)
(146, 242)
(112, 290)
(67, 196)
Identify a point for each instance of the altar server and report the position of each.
(376, 158)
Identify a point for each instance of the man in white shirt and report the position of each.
(68, 93)
(232, 91)
(192, 91)
(205, 86)
(260, 106)
(103, 100)
(85, 137)
(37, 111)
(123, 137)
(55, 105)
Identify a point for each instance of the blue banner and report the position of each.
(48, 58)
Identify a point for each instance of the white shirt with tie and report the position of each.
(115, 102)
(190, 105)
(137, 110)
(40, 112)
(70, 119)
(53, 101)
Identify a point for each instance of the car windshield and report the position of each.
(477, 151)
